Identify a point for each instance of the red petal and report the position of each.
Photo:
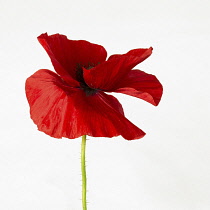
(139, 54)
(67, 55)
(109, 74)
(61, 111)
(142, 85)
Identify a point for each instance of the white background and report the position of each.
(168, 169)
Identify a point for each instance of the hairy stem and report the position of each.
(83, 168)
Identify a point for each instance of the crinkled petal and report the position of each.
(142, 85)
(69, 55)
(62, 111)
(108, 75)
(139, 54)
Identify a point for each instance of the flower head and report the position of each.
(73, 102)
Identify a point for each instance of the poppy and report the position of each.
(72, 102)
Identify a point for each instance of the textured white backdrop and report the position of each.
(168, 169)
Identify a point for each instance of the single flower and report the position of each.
(73, 102)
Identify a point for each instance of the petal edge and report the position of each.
(142, 85)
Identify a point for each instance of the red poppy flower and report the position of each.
(73, 102)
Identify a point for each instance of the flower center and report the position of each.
(79, 76)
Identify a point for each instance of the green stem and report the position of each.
(83, 144)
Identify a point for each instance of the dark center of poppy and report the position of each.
(79, 76)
